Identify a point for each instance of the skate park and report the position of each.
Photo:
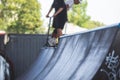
(92, 54)
(89, 55)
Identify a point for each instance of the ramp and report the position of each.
(77, 57)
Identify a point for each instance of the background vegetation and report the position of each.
(21, 16)
(24, 16)
(78, 16)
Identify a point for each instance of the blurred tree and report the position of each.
(21, 16)
(2, 22)
(92, 24)
(78, 16)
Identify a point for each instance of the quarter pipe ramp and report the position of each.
(78, 57)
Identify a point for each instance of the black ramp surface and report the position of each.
(52, 62)
(82, 55)
(77, 57)
(42, 60)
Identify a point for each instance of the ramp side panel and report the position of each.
(110, 68)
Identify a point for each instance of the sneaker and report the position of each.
(52, 41)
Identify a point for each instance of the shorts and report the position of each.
(58, 23)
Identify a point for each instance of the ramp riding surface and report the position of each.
(77, 57)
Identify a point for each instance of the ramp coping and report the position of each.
(119, 25)
(95, 29)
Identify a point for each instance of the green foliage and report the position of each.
(92, 24)
(78, 16)
(22, 16)
(2, 23)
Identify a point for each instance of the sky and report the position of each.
(106, 11)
